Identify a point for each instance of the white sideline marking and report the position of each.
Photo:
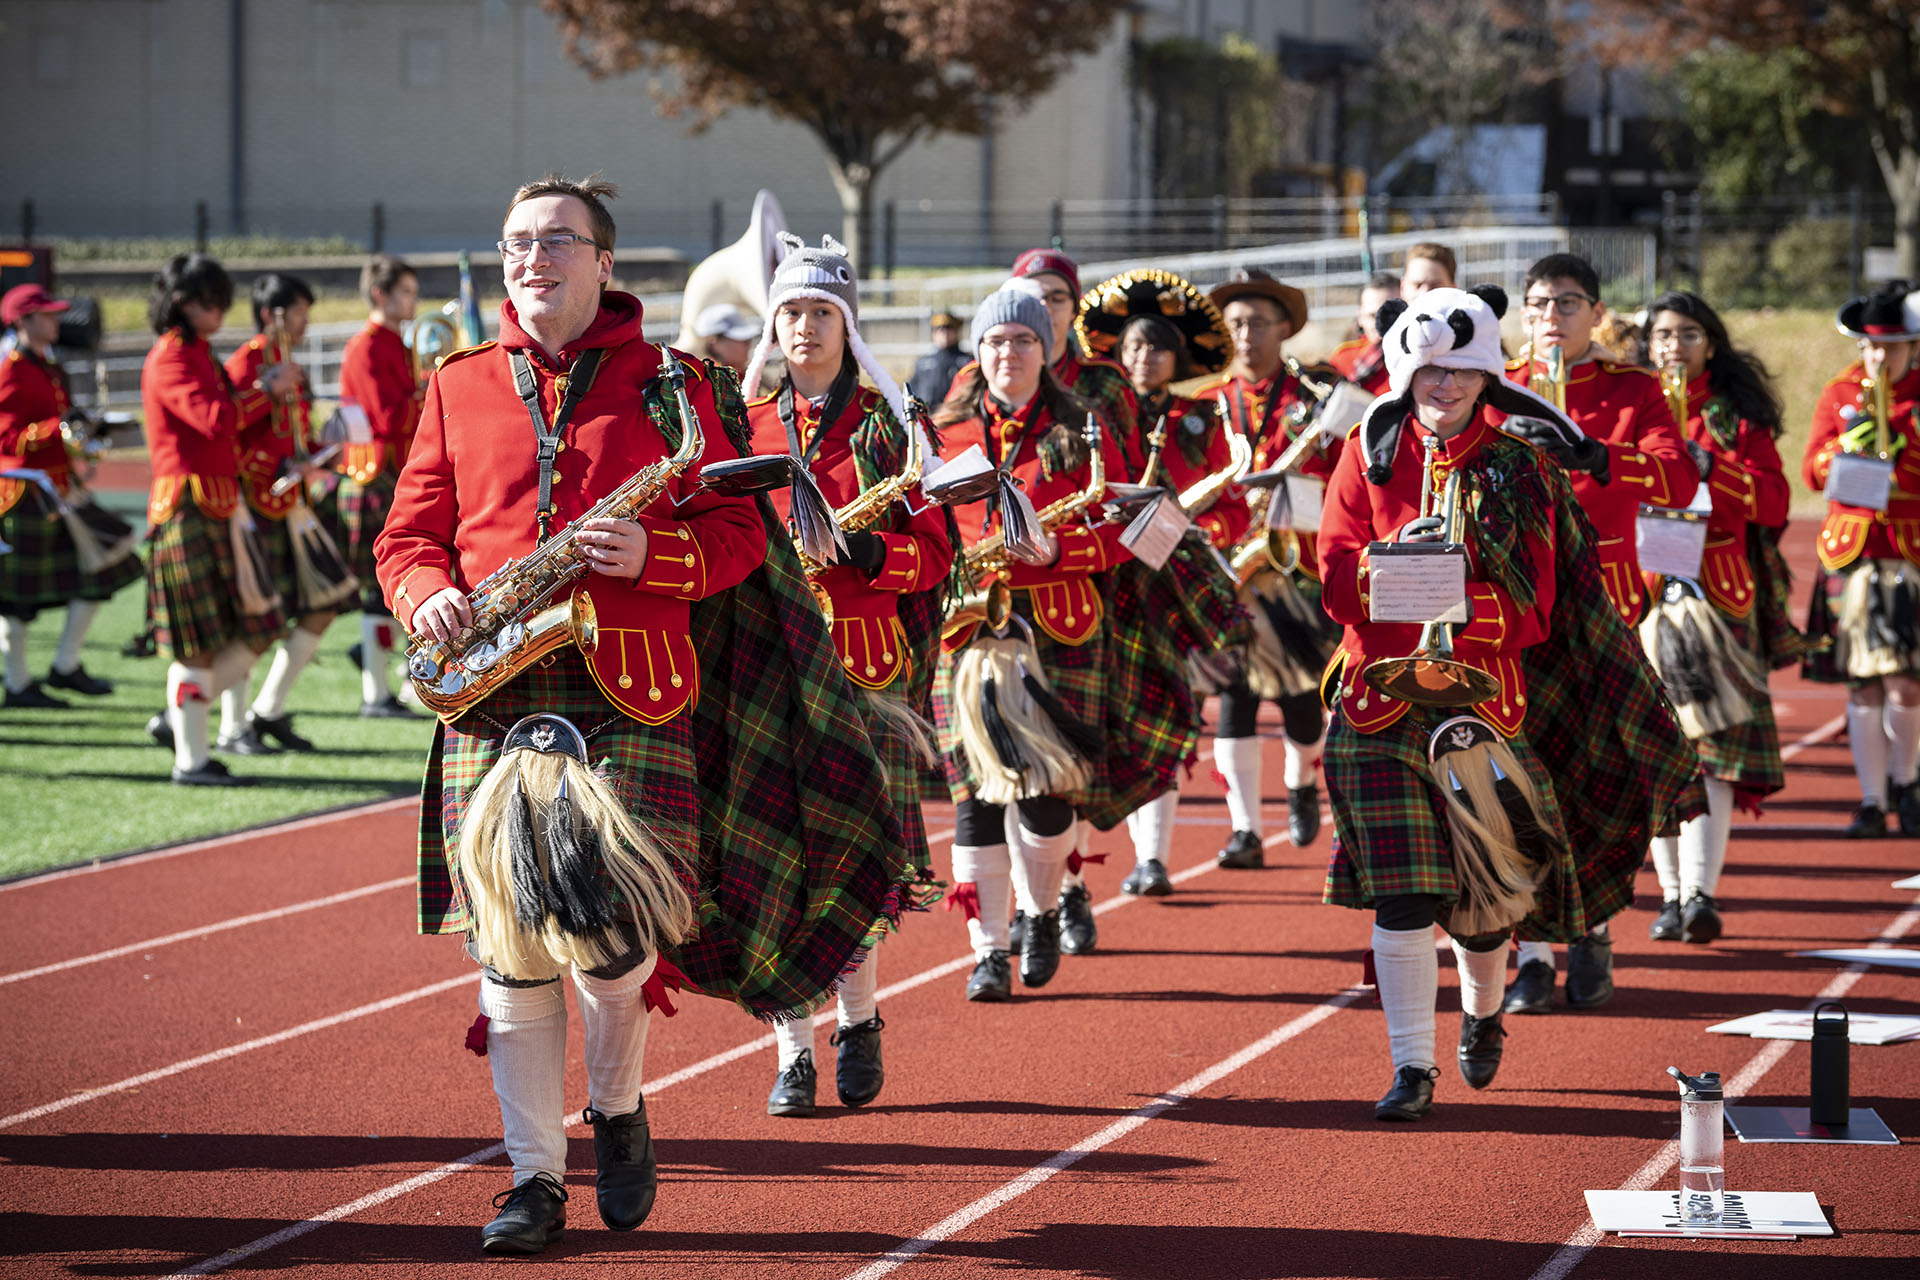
(237, 922)
(961, 1219)
(1577, 1246)
(1828, 730)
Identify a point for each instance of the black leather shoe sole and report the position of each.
(280, 730)
(210, 774)
(1243, 852)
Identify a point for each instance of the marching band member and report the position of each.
(377, 375)
(1011, 405)
(1448, 808)
(935, 371)
(1731, 420)
(1359, 359)
(1429, 266)
(1631, 453)
(887, 593)
(1266, 403)
(649, 764)
(44, 569)
(210, 589)
(1865, 594)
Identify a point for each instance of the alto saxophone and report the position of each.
(868, 507)
(524, 610)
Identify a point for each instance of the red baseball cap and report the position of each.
(1048, 262)
(24, 299)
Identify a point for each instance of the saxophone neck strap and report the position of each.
(838, 397)
(547, 438)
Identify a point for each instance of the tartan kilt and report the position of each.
(1823, 622)
(650, 767)
(43, 569)
(190, 588)
(359, 512)
(1153, 716)
(904, 765)
(1390, 826)
(1747, 756)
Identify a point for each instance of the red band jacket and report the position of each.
(866, 607)
(1361, 361)
(1269, 412)
(33, 400)
(267, 435)
(1623, 406)
(1358, 513)
(376, 373)
(1850, 533)
(193, 420)
(1227, 520)
(466, 503)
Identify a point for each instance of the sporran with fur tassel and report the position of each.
(1879, 630)
(1494, 825)
(100, 538)
(1019, 739)
(321, 577)
(1292, 639)
(252, 577)
(1710, 677)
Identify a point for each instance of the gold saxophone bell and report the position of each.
(1673, 381)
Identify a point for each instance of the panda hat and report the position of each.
(1449, 329)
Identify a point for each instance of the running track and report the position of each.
(237, 1057)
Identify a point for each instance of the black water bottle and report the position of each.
(1832, 1100)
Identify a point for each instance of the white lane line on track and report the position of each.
(1831, 729)
(235, 1050)
(213, 842)
(1577, 1246)
(294, 1231)
(237, 922)
(960, 1220)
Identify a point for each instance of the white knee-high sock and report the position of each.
(1903, 741)
(1303, 761)
(231, 667)
(793, 1038)
(1408, 970)
(1542, 951)
(189, 690)
(857, 991)
(527, 1049)
(1483, 976)
(1666, 865)
(233, 710)
(1045, 859)
(988, 869)
(295, 652)
(1239, 761)
(1867, 740)
(614, 1018)
(15, 633)
(1082, 833)
(1703, 841)
(1151, 826)
(374, 657)
(79, 617)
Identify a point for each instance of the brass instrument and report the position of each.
(1156, 446)
(1673, 381)
(867, 508)
(1876, 397)
(988, 560)
(517, 619)
(1318, 390)
(431, 336)
(1430, 675)
(1199, 496)
(1265, 547)
(1551, 385)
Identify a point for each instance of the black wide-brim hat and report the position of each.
(1109, 305)
(1252, 282)
(1890, 313)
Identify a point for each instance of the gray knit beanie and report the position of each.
(1015, 302)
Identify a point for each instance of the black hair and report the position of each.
(1161, 336)
(188, 277)
(383, 271)
(1738, 375)
(1565, 266)
(274, 292)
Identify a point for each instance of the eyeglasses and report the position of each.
(1565, 304)
(1259, 324)
(1023, 345)
(1057, 298)
(518, 248)
(1684, 338)
(1434, 375)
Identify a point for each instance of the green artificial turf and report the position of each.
(87, 782)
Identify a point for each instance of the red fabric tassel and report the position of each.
(966, 895)
(188, 689)
(1220, 779)
(1748, 800)
(477, 1036)
(383, 635)
(1189, 764)
(1368, 978)
(1075, 861)
(665, 977)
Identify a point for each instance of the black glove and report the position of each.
(865, 552)
(1701, 458)
(1422, 529)
(1585, 454)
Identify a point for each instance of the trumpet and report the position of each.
(1552, 385)
(1875, 397)
(1673, 381)
(869, 507)
(1431, 676)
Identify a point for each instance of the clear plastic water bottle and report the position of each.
(1703, 1178)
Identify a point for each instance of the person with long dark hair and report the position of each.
(1730, 419)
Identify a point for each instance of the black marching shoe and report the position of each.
(160, 731)
(992, 978)
(532, 1216)
(244, 743)
(1906, 804)
(357, 655)
(34, 698)
(1666, 925)
(1040, 958)
(793, 1089)
(1869, 822)
(78, 681)
(1303, 815)
(857, 1074)
(1017, 933)
(1700, 921)
(1481, 1044)
(388, 708)
(280, 729)
(1590, 971)
(1411, 1096)
(1243, 852)
(1147, 880)
(628, 1176)
(211, 774)
(1079, 933)
(1532, 989)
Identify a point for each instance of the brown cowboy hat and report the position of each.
(1252, 282)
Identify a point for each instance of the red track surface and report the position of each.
(1275, 1168)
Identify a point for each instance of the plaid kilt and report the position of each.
(1153, 716)
(43, 569)
(1747, 756)
(1390, 825)
(904, 765)
(190, 591)
(359, 512)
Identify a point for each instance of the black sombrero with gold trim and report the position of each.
(1109, 305)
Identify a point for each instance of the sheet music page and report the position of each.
(1417, 582)
(1155, 532)
(1859, 481)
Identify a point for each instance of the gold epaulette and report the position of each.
(1349, 345)
(1519, 362)
(451, 356)
(1204, 385)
